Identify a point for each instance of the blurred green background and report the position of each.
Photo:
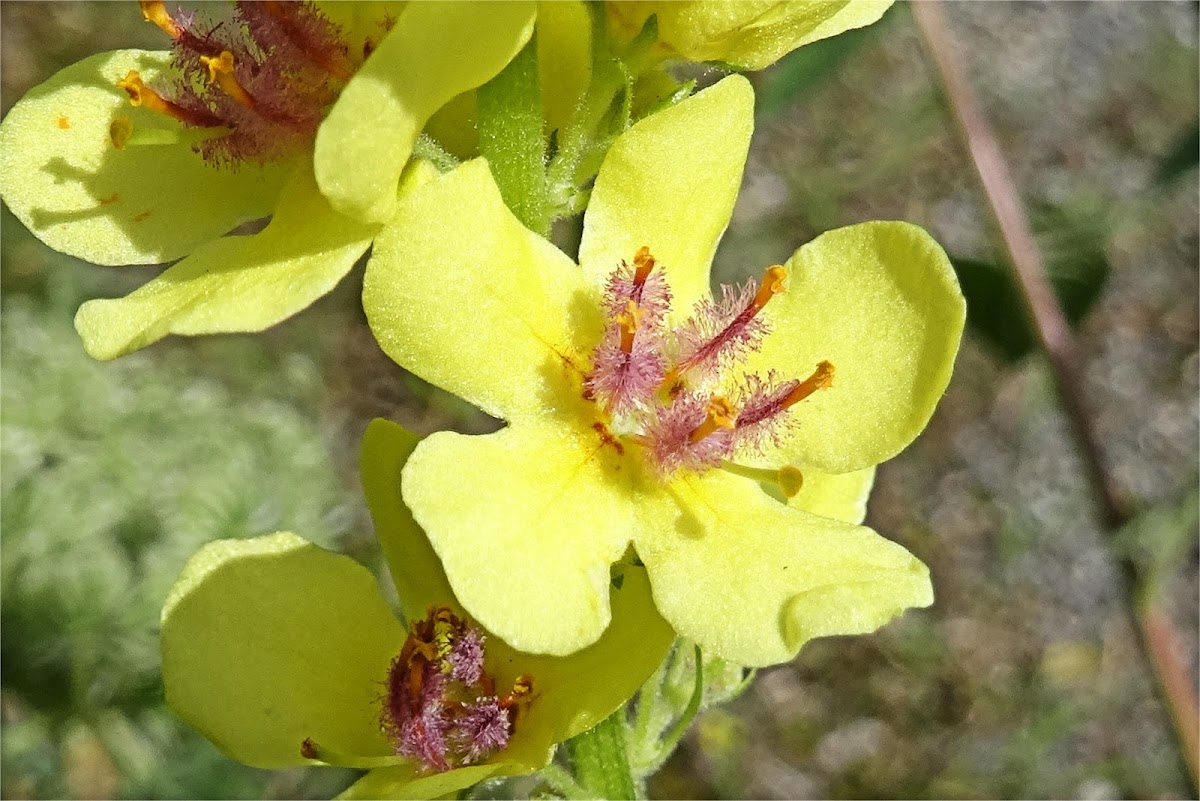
(1021, 681)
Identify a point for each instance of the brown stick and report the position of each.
(1156, 635)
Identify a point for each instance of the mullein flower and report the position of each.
(642, 411)
(285, 654)
(304, 113)
(745, 34)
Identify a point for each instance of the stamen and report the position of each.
(220, 69)
(821, 378)
(790, 480)
(333, 62)
(521, 692)
(721, 332)
(643, 263)
(142, 95)
(156, 11)
(774, 282)
(720, 414)
(119, 131)
(629, 321)
(441, 706)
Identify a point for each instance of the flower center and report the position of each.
(258, 80)
(441, 706)
(680, 391)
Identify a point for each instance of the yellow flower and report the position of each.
(284, 654)
(832, 367)
(304, 114)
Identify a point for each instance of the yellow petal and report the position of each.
(458, 292)
(751, 580)
(526, 522)
(564, 45)
(881, 303)
(237, 283)
(669, 183)
(573, 693)
(364, 143)
(842, 496)
(269, 641)
(65, 180)
(749, 34)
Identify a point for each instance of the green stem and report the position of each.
(510, 137)
(560, 780)
(601, 760)
(645, 715)
(429, 149)
(671, 740)
(585, 138)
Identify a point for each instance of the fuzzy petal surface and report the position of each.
(63, 178)
(268, 641)
(364, 143)
(460, 293)
(564, 47)
(880, 301)
(420, 581)
(842, 496)
(237, 283)
(670, 183)
(526, 523)
(572, 693)
(751, 580)
(748, 34)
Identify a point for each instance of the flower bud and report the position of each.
(747, 34)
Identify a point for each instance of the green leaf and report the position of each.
(509, 109)
(601, 760)
(1072, 243)
(1183, 156)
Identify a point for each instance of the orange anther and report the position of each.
(521, 691)
(142, 95)
(790, 480)
(629, 321)
(220, 69)
(821, 378)
(721, 414)
(643, 263)
(156, 11)
(774, 281)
